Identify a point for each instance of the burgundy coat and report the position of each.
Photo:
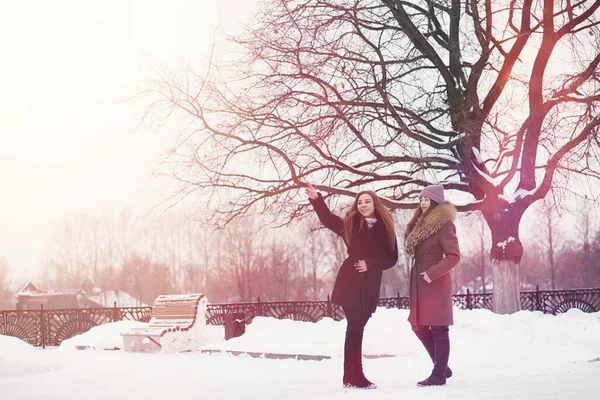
(435, 249)
(353, 289)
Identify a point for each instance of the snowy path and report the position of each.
(527, 355)
(114, 375)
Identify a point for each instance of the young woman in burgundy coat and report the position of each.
(368, 231)
(430, 239)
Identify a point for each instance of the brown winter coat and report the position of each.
(353, 289)
(434, 246)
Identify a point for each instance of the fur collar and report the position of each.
(433, 222)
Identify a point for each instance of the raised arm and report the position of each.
(327, 218)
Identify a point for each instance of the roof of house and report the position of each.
(28, 288)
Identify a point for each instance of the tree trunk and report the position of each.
(506, 297)
(506, 253)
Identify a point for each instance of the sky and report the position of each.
(526, 355)
(70, 139)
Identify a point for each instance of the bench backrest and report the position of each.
(179, 309)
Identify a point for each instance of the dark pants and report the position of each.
(353, 372)
(436, 341)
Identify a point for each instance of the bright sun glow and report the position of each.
(69, 141)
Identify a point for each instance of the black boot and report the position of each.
(425, 336)
(441, 346)
(353, 372)
(348, 379)
(433, 380)
(361, 380)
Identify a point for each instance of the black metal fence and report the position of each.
(50, 327)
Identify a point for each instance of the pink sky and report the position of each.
(68, 145)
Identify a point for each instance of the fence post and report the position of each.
(538, 305)
(329, 310)
(469, 302)
(42, 326)
(116, 313)
(398, 300)
(258, 307)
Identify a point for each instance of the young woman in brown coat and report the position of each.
(430, 239)
(368, 231)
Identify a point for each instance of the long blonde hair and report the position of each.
(380, 210)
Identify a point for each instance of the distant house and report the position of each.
(30, 297)
(96, 297)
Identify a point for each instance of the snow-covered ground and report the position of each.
(527, 355)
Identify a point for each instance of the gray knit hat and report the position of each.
(434, 192)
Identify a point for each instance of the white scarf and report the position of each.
(370, 222)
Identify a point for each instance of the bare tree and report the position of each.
(124, 228)
(206, 248)
(69, 251)
(585, 234)
(107, 279)
(192, 270)
(278, 270)
(172, 241)
(45, 274)
(548, 211)
(241, 245)
(595, 275)
(5, 283)
(146, 279)
(396, 95)
(312, 260)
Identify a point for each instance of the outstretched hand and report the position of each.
(311, 192)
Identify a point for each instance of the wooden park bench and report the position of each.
(176, 325)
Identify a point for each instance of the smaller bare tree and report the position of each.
(5, 282)
(548, 211)
(585, 234)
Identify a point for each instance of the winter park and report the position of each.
(286, 199)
